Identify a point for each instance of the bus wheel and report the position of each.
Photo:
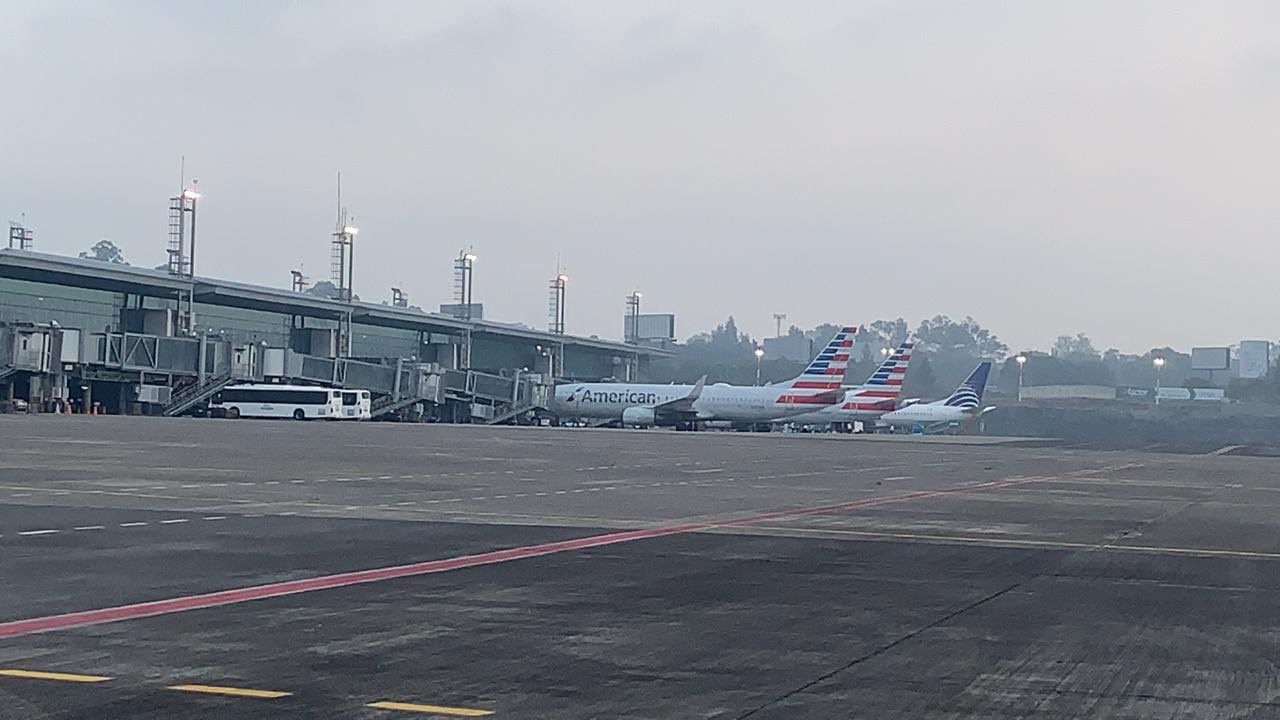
(299, 414)
(232, 413)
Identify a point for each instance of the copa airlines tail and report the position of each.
(969, 394)
(962, 405)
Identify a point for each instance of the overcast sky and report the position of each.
(1046, 167)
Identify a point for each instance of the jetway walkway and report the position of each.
(196, 368)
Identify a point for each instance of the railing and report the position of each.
(158, 353)
(189, 397)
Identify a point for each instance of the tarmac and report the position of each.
(197, 568)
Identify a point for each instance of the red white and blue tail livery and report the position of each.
(822, 380)
(879, 394)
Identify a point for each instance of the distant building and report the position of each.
(796, 348)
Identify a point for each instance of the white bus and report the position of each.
(356, 405)
(300, 402)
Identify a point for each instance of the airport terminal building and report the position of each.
(87, 334)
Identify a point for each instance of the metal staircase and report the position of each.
(389, 404)
(190, 397)
(513, 412)
(6, 371)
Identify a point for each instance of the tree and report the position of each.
(920, 380)
(822, 333)
(325, 289)
(941, 334)
(105, 251)
(892, 332)
(1075, 348)
(878, 335)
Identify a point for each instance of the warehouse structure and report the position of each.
(86, 334)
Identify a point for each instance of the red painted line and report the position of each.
(85, 618)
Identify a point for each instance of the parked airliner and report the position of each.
(868, 401)
(962, 405)
(647, 404)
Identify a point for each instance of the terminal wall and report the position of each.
(88, 310)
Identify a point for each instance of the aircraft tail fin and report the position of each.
(826, 370)
(883, 389)
(969, 394)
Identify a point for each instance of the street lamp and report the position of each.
(1158, 362)
(1022, 362)
(759, 356)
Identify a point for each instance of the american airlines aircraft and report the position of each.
(646, 404)
(963, 404)
(868, 401)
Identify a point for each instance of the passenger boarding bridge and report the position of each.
(86, 333)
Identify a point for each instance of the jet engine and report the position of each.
(638, 417)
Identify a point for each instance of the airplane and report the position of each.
(868, 401)
(649, 404)
(962, 405)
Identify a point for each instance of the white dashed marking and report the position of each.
(132, 524)
(90, 527)
(37, 532)
(174, 521)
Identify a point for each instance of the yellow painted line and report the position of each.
(432, 709)
(65, 677)
(233, 691)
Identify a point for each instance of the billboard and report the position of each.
(649, 327)
(1177, 393)
(1170, 393)
(1126, 392)
(1210, 358)
(460, 311)
(1255, 358)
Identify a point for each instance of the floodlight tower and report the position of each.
(182, 250)
(1158, 363)
(463, 269)
(555, 303)
(342, 255)
(182, 231)
(632, 328)
(778, 318)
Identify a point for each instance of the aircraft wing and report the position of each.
(684, 405)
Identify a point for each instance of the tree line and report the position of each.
(946, 351)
